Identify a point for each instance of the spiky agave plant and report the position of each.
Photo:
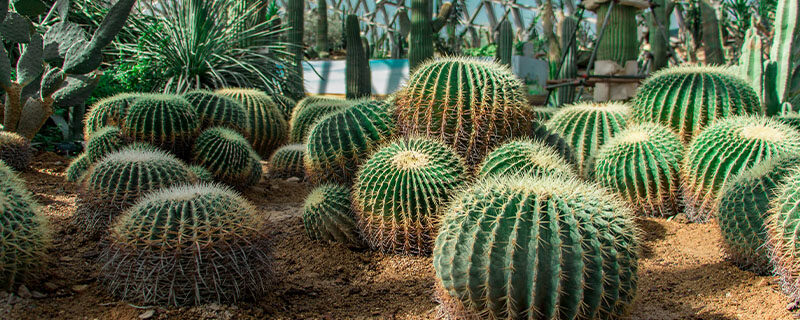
(400, 193)
(328, 215)
(165, 121)
(288, 162)
(15, 150)
(543, 248)
(305, 116)
(227, 156)
(214, 110)
(642, 165)
(188, 245)
(782, 237)
(102, 142)
(524, 156)
(267, 127)
(110, 111)
(725, 149)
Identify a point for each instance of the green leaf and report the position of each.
(30, 8)
(30, 64)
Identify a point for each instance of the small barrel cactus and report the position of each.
(782, 237)
(24, 232)
(725, 149)
(201, 174)
(536, 248)
(688, 98)
(540, 133)
(78, 168)
(339, 142)
(102, 142)
(471, 105)
(267, 126)
(188, 245)
(542, 114)
(110, 111)
(285, 105)
(226, 154)
(743, 209)
(215, 110)
(307, 116)
(15, 150)
(586, 127)
(165, 121)
(400, 193)
(528, 157)
(642, 164)
(288, 162)
(328, 215)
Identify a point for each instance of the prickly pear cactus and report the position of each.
(165, 121)
(309, 113)
(268, 128)
(527, 157)
(328, 215)
(227, 155)
(110, 111)
(15, 150)
(782, 238)
(77, 168)
(214, 110)
(536, 248)
(288, 162)
(102, 142)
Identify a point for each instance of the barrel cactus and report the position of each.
(524, 157)
(586, 127)
(400, 193)
(471, 105)
(743, 209)
(188, 245)
(536, 248)
(77, 168)
(216, 110)
(542, 114)
(306, 116)
(227, 155)
(540, 133)
(24, 232)
(202, 174)
(267, 126)
(102, 142)
(165, 121)
(339, 142)
(725, 149)
(110, 111)
(642, 165)
(689, 98)
(328, 216)
(288, 162)
(15, 150)
(285, 105)
(782, 237)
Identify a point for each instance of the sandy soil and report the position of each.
(683, 273)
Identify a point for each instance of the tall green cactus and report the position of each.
(295, 13)
(659, 23)
(358, 77)
(619, 42)
(751, 65)
(785, 54)
(322, 28)
(712, 34)
(422, 30)
(505, 43)
(569, 68)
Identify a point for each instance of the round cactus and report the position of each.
(725, 149)
(256, 170)
(288, 162)
(188, 245)
(586, 127)
(540, 133)
(102, 142)
(400, 193)
(201, 174)
(339, 142)
(110, 111)
(15, 150)
(24, 233)
(77, 168)
(471, 105)
(524, 157)
(165, 121)
(306, 116)
(226, 154)
(267, 126)
(782, 237)
(543, 114)
(217, 110)
(688, 98)
(792, 119)
(642, 165)
(743, 209)
(536, 248)
(327, 215)
(285, 105)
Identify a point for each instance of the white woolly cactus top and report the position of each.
(617, 107)
(757, 128)
(139, 153)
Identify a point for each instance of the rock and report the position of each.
(147, 314)
(38, 295)
(50, 286)
(80, 288)
(293, 179)
(24, 292)
(65, 258)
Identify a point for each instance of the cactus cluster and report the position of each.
(642, 165)
(110, 111)
(214, 110)
(165, 121)
(267, 127)
(308, 113)
(528, 157)
(782, 237)
(102, 142)
(401, 191)
(536, 248)
(288, 162)
(188, 245)
(15, 150)
(540, 133)
(725, 149)
(227, 156)
(328, 215)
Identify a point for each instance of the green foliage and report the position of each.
(188, 245)
(536, 248)
(725, 149)
(308, 112)
(642, 165)
(401, 191)
(165, 121)
(487, 50)
(15, 150)
(358, 77)
(268, 128)
(327, 215)
(620, 42)
(227, 155)
(102, 142)
(216, 110)
(78, 168)
(110, 111)
(528, 157)
(782, 237)
(288, 162)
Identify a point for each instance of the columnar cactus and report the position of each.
(288, 162)
(620, 41)
(781, 83)
(505, 43)
(642, 165)
(102, 142)
(322, 28)
(341, 141)
(712, 35)
(536, 248)
(529, 157)
(688, 98)
(295, 12)
(471, 105)
(725, 149)
(358, 77)
(305, 116)
(15, 150)
(77, 168)
(188, 245)
(401, 191)
(268, 128)
(782, 237)
(328, 215)
(110, 111)
(586, 127)
(743, 210)
(227, 155)
(569, 68)
(751, 63)
(422, 30)
(24, 233)
(165, 121)
(214, 110)
(658, 25)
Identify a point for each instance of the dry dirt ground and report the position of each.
(683, 273)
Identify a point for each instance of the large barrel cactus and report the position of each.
(743, 210)
(15, 150)
(642, 164)
(689, 98)
(267, 126)
(328, 215)
(471, 105)
(782, 237)
(24, 232)
(165, 121)
(536, 248)
(188, 245)
(227, 155)
(400, 193)
(305, 116)
(102, 142)
(586, 127)
(215, 110)
(110, 111)
(339, 142)
(288, 162)
(725, 149)
(528, 157)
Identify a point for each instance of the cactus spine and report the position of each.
(15, 150)
(227, 155)
(102, 142)
(165, 121)
(216, 110)
(619, 42)
(782, 236)
(305, 116)
(421, 44)
(569, 70)
(327, 215)
(505, 43)
(322, 28)
(712, 35)
(295, 13)
(110, 111)
(659, 23)
(784, 54)
(751, 65)
(77, 168)
(540, 133)
(357, 72)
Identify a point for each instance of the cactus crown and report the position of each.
(165, 121)
(524, 157)
(109, 111)
(217, 110)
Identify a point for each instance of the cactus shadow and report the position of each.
(652, 231)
